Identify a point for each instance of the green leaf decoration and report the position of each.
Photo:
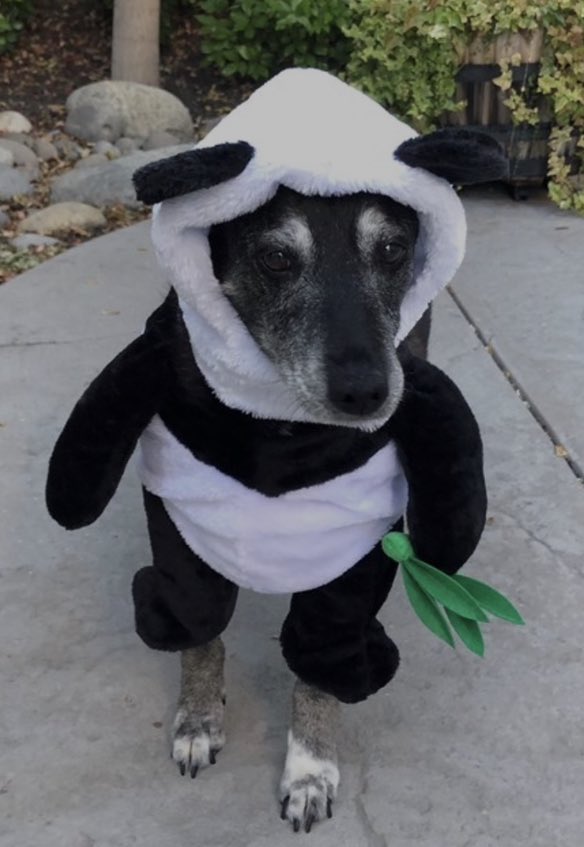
(397, 546)
(444, 589)
(468, 631)
(465, 600)
(489, 599)
(426, 609)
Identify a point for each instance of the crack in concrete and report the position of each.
(539, 418)
(8, 345)
(557, 555)
(374, 838)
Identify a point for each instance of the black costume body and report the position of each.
(331, 637)
(197, 374)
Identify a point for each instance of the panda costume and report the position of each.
(230, 496)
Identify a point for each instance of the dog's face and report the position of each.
(318, 282)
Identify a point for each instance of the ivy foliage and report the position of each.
(256, 38)
(13, 13)
(405, 53)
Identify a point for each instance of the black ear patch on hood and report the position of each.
(191, 171)
(461, 156)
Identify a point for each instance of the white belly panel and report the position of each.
(299, 540)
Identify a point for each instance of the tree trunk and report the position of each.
(135, 41)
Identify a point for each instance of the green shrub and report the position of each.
(12, 16)
(256, 38)
(405, 53)
(402, 55)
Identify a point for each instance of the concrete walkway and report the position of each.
(457, 751)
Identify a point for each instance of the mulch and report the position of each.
(67, 44)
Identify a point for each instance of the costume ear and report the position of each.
(461, 156)
(190, 171)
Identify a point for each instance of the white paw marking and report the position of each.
(308, 786)
(196, 741)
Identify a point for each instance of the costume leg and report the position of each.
(311, 776)
(180, 602)
(198, 726)
(331, 638)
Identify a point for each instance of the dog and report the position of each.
(318, 282)
(276, 410)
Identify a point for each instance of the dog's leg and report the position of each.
(198, 726)
(311, 776)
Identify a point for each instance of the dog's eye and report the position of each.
(393, 252)
(276, 261)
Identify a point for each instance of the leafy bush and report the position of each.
(405, 53)
(256, 38)
(12, 15)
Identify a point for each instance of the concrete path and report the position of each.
(456, 751)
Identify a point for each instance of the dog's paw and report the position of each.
(308, 787)
(196, 740)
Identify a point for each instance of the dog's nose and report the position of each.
(356, 390)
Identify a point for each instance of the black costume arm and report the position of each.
(441, 451)
(98, 439)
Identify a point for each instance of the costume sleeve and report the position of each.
(441, 451)
(98, 439)
(331, 637)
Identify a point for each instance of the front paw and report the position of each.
(196, 739)
(308, 787)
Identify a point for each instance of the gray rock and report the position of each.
(126, 145)
(45, 149)
(111, 183)
(14, 122)
(22, 155)
(208, 125)
(31, 172)
(92, 161)
(109, 110)
(68, 149)
(6, 157)
(4, 219)
(27, 140)
(62, 217)
(13, 182)
(23, 242)
(159, 139)
(107, 149)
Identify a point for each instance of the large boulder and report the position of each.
(106, 185)
(109, 110)
(63, 217)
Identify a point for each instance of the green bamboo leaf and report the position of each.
(490, 600)
(397, 546)
(427, 610)
(445, 590)
(468, 631)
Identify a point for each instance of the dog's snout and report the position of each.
(356, 389)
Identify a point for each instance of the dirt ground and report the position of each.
(67, 44)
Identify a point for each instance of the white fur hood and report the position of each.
(315, 134)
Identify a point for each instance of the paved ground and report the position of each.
(457, 751)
